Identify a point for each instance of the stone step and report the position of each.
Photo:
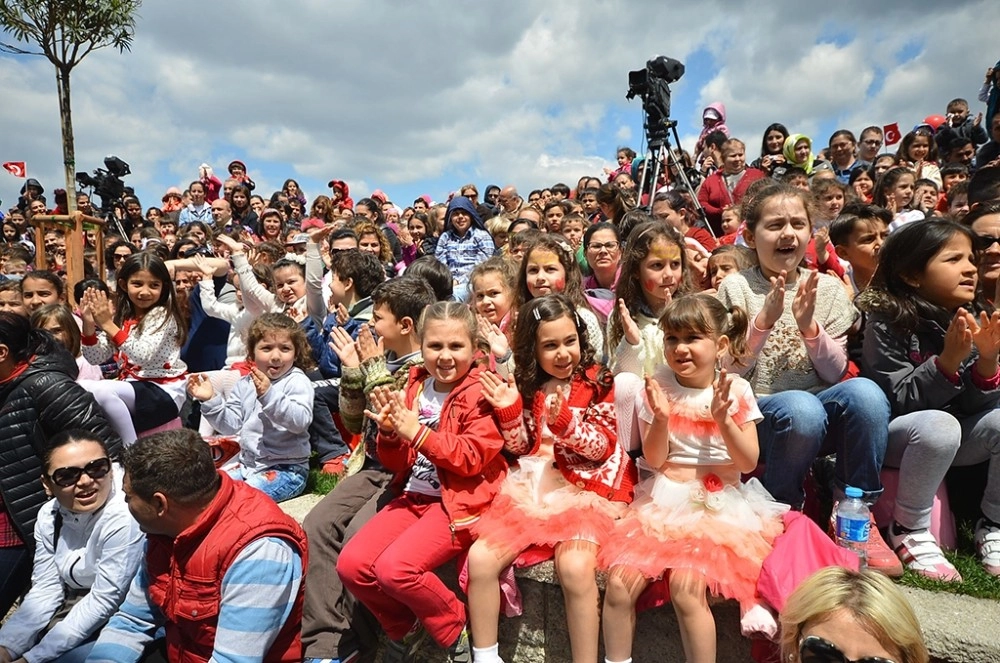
(956, 628)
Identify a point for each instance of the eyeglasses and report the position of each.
(121, 256)
(815, 649)
(69, 476)
(872, 141)
(597, 247)
(984, 242)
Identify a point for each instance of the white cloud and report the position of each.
(418, 96)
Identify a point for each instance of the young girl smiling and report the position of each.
(270, 409)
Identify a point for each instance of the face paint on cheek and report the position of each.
(559, 284)
(649, 285)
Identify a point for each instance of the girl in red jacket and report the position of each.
(441, 440)
(573, 479)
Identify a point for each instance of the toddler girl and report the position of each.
(270, 409)
(693, 516)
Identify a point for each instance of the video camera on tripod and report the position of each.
(652, 85)
(108, 185)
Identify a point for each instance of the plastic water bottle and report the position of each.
(853, 524)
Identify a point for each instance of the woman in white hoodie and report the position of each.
(87, 548)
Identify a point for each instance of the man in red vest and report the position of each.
(223, 570)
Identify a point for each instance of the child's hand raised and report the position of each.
(821, 240)
(722, 399)
(344, 347)
(957, 343)
(368, 347)
(986, 334)
(234, 247)
(804, 305)
(199, 387)
(658, 403)
(342, 315)
(774, 303)
(496, 338)
(202, 264)
(381, 398)
(261, 382)
(404, 419)
(629, 327)
(498, 392)
(100, 306)
(556, 404)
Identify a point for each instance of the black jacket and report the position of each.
(36, 405)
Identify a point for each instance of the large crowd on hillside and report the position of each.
(669, 381)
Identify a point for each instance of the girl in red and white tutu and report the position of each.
(693, 519)
(572, 481)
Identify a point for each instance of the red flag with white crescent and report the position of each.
(16, 168)
(892, 134)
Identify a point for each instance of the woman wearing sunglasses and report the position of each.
(39, 398)
(842, 616)
(87, 548)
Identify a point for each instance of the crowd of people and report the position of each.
(630, 376)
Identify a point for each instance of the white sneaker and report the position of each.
(919, 551)
(988, 545)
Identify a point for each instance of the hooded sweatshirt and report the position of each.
(461, 253)
(720, 110)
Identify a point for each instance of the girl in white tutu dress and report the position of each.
(693, 518)
(572, 480)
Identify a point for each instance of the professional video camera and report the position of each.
(107, 184)
(652, 85)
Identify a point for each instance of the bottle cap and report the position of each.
(851, 491)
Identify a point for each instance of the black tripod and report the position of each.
(660, 152)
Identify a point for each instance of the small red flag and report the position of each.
(892, 134)
(16, 168)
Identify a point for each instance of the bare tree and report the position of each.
(67, 31)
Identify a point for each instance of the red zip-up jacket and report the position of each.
(465, 448)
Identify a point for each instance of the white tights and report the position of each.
(117, 399)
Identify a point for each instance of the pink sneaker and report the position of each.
(920, 552)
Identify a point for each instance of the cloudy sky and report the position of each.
(420, 98)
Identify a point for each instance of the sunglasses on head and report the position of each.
(69, 476)
(815, 649)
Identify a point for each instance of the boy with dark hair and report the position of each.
(958, 201)
(436, 274)
(796, 177)
(857, 235)
(985, 184)
(334, 625)
(559, 191)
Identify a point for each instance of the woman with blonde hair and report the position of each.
(839, 615)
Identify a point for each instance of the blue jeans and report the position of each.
(279, 482)
(850, 419)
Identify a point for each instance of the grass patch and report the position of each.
(319, 482)
(976, 582)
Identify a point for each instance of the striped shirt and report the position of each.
(258, 593)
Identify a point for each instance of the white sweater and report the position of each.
(99, 552)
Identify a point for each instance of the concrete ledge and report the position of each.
(956, 628)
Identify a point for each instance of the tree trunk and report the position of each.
(69, 152)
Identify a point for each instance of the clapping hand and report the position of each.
(722, 399)
(496, 338)
(556, 404)
(957, 343)
(657, 401)
(381, 399)
(804, 305)
(261, 382)
(97, 306)
(199, 387)
(497, 391)
(344, 346)
(368, 347)
(629, 327)
(774, 302)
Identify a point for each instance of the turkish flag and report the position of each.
(16, 168)
(892, 134)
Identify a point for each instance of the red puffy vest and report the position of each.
(185, 574)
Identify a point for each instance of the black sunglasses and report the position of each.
(69, 476)
(984, 242)
(815, 649)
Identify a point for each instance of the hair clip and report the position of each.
(296, 258)
(564, 246)
(538, 316)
